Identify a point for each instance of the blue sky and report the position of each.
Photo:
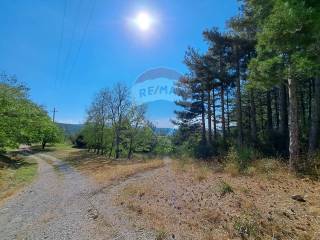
(107, 51)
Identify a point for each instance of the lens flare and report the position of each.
(144, 21)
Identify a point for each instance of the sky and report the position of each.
(65, 51)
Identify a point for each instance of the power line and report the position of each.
(60, 43)
(82, 38)
(77, 17)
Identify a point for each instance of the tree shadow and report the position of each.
(13, 161)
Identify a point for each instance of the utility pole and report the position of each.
(54, 114)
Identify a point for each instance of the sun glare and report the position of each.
(144, 21)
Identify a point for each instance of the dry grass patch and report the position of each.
(108, 171)
(102, 169)
(221, 206)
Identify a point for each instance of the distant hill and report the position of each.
(73, 129)
(165, 131)
(70, 129)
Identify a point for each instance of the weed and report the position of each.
(225, 188)
(201, 173)
(161, 234)
(247, 227)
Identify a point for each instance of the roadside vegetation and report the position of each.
(15, 172)
(21, 122)
(100, 168)
(197, 200)
(117, 128)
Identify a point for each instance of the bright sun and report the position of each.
(144, 21)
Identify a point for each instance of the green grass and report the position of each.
(225, 188)
(14, 174)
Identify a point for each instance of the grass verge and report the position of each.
(100, 168)
(15, 173)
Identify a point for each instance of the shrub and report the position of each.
(225, 188)
(247, 227)
(313, 166)
(239, 159)
(204, 151)
(79, 142)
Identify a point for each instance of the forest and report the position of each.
(257, 88)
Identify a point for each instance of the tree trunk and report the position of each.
(310, 100)
(261, 114)
(239, 106)
(294, 145)
(276, 107)
(117, 143)
(228, 113)
(209, 118)
(223, 121)
(253, 121)
(203, 120)
(303, 109)
(315, 118)
(130, 147)
(269, 113)
(214, 115)
(43, 145)
(111, 149)
(283, 108)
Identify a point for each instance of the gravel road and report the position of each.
(63, 204)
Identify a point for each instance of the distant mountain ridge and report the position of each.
(70, 129)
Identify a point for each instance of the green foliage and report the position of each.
(241, 158)
(117, 127)
(247, 227)
(225, 188)
(164, 145)
(21, 120)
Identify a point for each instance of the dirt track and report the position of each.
(63, 204)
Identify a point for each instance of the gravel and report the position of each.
(64, 204)
(55, 206)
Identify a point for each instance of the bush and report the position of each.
(225, 188)
(79, 142)
(204, 151)
(313, 166)
(238, 160)
(247, 227)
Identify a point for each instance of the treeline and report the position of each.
(257, 86)
(116, 127)
(21, 120)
